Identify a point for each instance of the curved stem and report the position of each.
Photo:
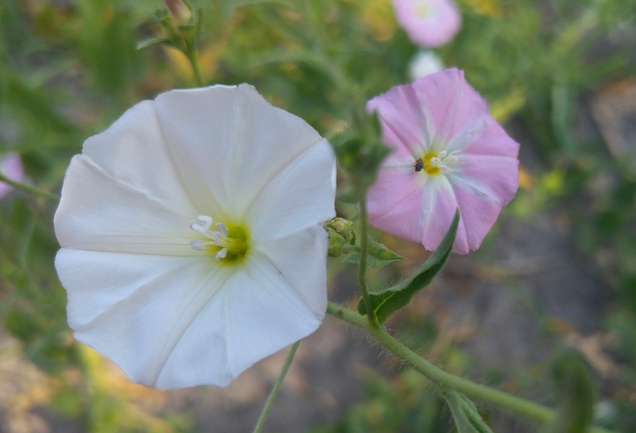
(30, 189)
(279, 382)
(517, 405)
(364, 252)
(193, 56)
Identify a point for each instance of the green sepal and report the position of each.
(378, 255)
(154, 41)
(340, 236)
(465, 414)
(577, 394)
(359, 158)
(388, 301)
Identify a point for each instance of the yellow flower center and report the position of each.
(229, 243)
(434, 163)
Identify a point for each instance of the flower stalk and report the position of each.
(279, 382)
(516, 405)
(30, 189)
(364, 252)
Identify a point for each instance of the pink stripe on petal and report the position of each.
(403, 124)
(438, 211)
(496, 176)
(493, 141)
(478, 217)
(394, 202)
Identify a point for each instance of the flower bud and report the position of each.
(179, 11)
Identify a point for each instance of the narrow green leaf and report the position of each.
(465, 414)
(379, 255)
(388, 301)
(577, 394)
(154, 41)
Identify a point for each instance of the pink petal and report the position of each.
(394, 202)
(402, 120)
(11, 167)
(452, 102)
(428, 23)
(482, 180)
(493, 177)
(438, 210)
(478, 216)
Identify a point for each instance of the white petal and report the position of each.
(231, 139)
(133, 151)
(264, 313)
(142, 331)
(300, 196)
(97, 280)
(99, 213)
(309, 248)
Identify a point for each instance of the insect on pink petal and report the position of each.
(448, 153)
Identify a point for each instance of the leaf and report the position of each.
(154, 41)
(465, 414)
(379, 255)
(577, 395)
(388, 301)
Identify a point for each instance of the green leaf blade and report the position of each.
(378, 255)
(465, 414)
(390, 300)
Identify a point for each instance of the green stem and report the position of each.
(30, 189)
(439, 377)
(193, 56)
(279, 382)
(364, 252)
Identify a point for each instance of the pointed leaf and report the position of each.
(379, 255)
(577, 394)
(388, 301)
(465, 414)
(154, 41)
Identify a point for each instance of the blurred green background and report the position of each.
(558, 272)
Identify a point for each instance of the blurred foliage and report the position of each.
(69, 68)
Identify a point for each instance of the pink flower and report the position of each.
(11, 167)
(448, 153)
(429, 23)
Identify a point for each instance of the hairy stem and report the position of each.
(516, 405)
(364, 252)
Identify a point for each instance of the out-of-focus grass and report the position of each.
(69, 69)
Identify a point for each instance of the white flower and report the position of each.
(423, 63)
(191, 244)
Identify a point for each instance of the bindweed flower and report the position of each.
(448, 153)
(191, 237)
(428, 23)
(11, 167)
(423, 63)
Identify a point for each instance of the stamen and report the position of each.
(227, 243)
(222, 229)
(441, 162)
(202, 224)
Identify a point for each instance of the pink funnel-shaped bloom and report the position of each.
(448, 153)
(428, 23)
(11, 167)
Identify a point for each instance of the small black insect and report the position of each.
(419, 165)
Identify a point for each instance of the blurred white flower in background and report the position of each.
(423, 63)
